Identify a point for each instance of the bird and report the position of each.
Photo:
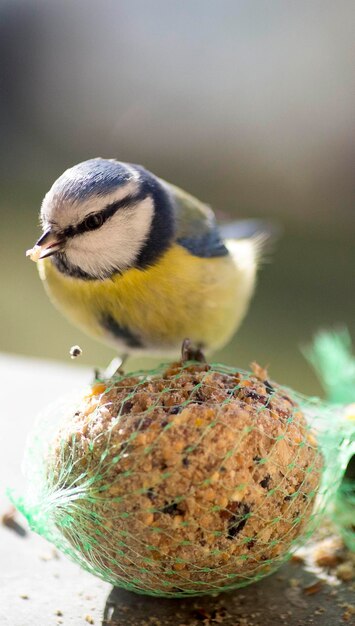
(140, 264)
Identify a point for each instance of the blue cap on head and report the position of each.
(94, 177)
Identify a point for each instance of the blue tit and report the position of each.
(141, 265)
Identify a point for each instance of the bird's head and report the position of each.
(102, 216)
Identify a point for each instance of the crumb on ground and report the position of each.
(313, 588)
(8, 517)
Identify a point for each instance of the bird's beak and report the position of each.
(47, 244)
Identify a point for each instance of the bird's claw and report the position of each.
(191, 353)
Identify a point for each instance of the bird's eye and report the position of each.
(93, 221)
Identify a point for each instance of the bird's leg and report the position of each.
(97, 375)
(191, 353)
(114, 368)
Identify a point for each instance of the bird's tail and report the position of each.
(262, 233)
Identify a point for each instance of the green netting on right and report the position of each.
(190, 479)
(331, 355)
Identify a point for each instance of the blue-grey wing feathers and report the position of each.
(199, 233)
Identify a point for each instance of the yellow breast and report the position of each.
(156, 308)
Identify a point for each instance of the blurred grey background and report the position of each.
(248, 104)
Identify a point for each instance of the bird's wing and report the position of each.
(198, 232)
(196, 227)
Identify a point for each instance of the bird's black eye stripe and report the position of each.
(124, 203)
(96, 220)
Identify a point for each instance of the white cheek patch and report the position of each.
(116, 244)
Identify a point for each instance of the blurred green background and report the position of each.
(246, 104)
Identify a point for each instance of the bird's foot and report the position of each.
(191, 353)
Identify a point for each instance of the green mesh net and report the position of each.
(332, 358)
(187, 480)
